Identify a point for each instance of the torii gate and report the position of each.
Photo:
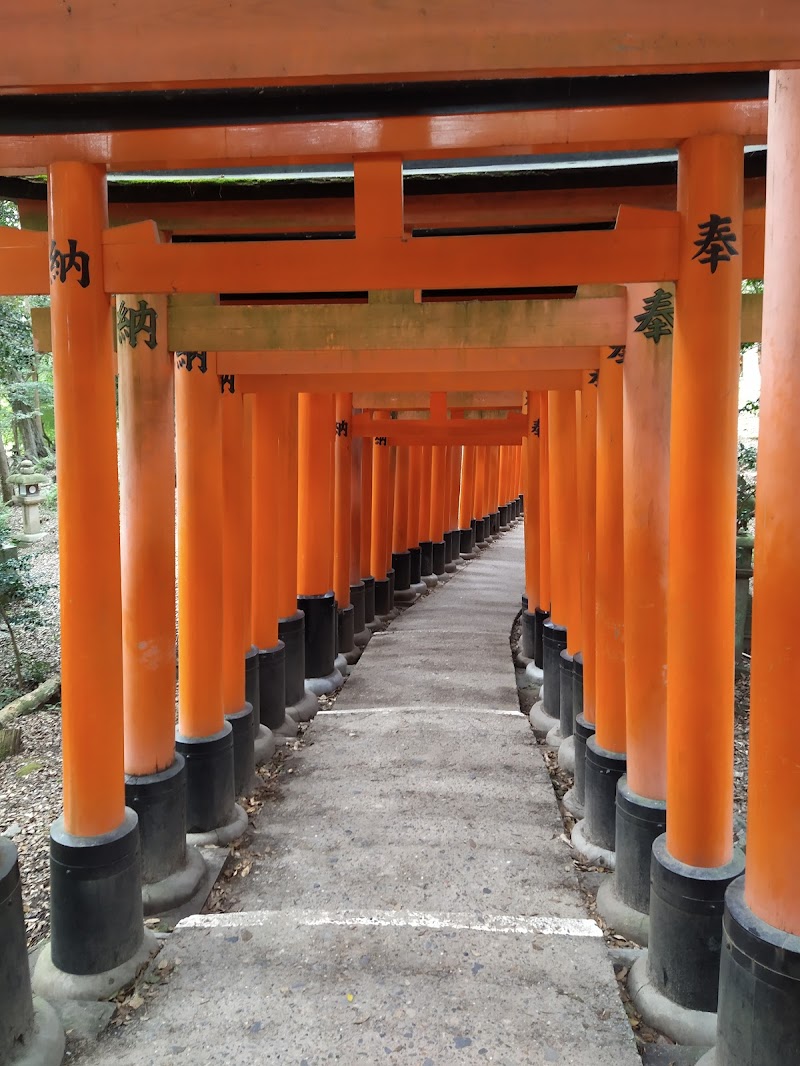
(87, 262)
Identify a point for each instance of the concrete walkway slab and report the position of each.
(415, 902)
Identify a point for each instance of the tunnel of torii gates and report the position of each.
(305, 508)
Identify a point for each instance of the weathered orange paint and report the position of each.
(647, 375)
(702, 518)
(401, 492)
(266, 490)
(287, 415)
(147, 544)
(772, 813)
(60, 49)
(467, 494)
(610, 609)
(316, 431)
(380, 510)
(343, 460)
(91, 625)
(236, 551)
(587, 503)
(544, 503)
(531, 446)
(198, 419)
(366, 507)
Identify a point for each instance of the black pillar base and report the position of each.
(390, 578)
(758, 1016)
(382, 602)
(272, 678)
(292, 634)
(449, 544)
(426, 558)
(487, 527)
(520, 505)
(345, 630)
(401, 564)
(96, 914)
(505, 518)
(369, 599)
(251, 691)
(554, 641)
(16, 1016)
(640, 821)
(415, 575)
(524, 601)
(320, 612)
(538, 646)
(210, 793)
(480, 532)
(357, 602)
(528, 637)
(566, 677)
(244, 756)
(686, 908)
(583, 730)
(466, 541)
(577, 686)
(159, 801)
(494, 523)
(603, 770)
(438, 557)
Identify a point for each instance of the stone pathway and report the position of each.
(417, 904)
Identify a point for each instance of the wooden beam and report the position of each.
(412, 401)
(431, 381)
(477, 324)
(254, 362)
(55, 47)
(330, 365)
(411, 137)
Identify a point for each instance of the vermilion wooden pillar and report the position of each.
(583, 692)
(366, 533)
(641, 793)
(316, 434)
(361, 634)
(531, 641)
(695, 861)
(425, 543)
(605, 751)
(758, 995)
(380, 519)
(401, 534)
(155, 776)
(343, 462)
(236, 552)
(96, 829)
(299, 705)
(466, 518)
(205, 738)
(439, 499)
(561, 636)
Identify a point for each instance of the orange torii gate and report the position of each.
(87, 262)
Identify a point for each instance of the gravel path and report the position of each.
(30, 782)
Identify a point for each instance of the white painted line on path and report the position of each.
(418, 707)
(490, 923)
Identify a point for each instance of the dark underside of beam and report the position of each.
(97, 112)
(543, 179)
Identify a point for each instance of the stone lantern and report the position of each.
(27, 496)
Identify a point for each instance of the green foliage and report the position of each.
(20, 597)
(26, 380)
(746, 489)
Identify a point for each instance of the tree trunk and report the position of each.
(6, 490)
